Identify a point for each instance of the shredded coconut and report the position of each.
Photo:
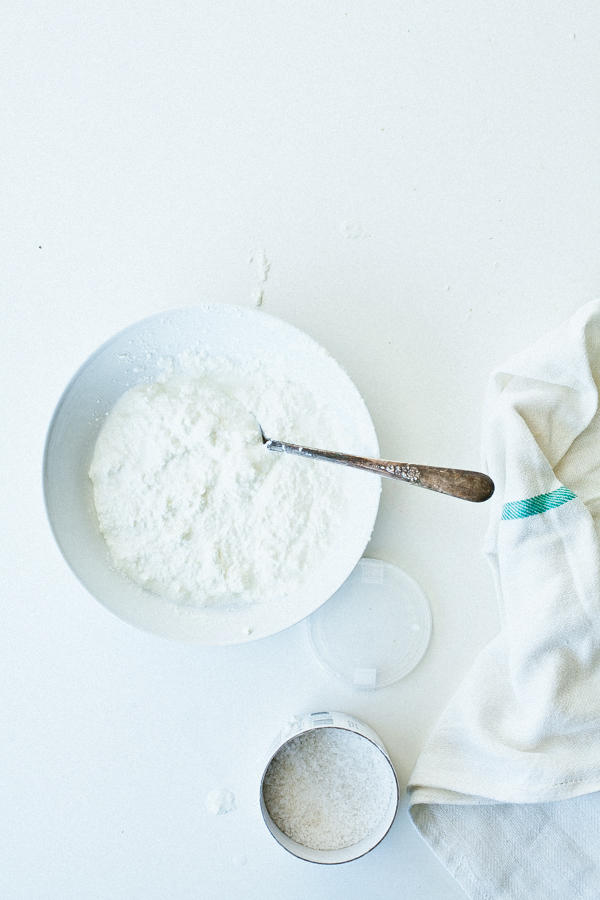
(191, 504)
(328, 788)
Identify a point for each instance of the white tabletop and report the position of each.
(423, 181)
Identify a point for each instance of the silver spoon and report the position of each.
(466, 485)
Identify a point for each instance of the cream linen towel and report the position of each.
(504, 790)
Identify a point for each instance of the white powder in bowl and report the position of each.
(191, 504)
(328, 788)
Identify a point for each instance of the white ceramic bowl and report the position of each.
(134, 355)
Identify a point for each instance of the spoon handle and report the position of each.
(466, 485)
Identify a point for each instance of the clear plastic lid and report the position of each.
(375, 628)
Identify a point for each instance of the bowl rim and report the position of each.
(135, 327)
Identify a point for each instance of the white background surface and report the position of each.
(424, 181)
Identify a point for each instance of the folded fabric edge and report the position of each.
(566, 790)
(519, 364)
(452, 857)
(487, 847)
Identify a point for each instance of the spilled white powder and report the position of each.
(192, 505)
(262, 267)
(328, 788)
(220, 801)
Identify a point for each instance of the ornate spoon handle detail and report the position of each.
(466, 485)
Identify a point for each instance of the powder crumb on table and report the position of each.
(220, 801)
(328, 789)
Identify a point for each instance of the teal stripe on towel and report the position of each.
(520, 509)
